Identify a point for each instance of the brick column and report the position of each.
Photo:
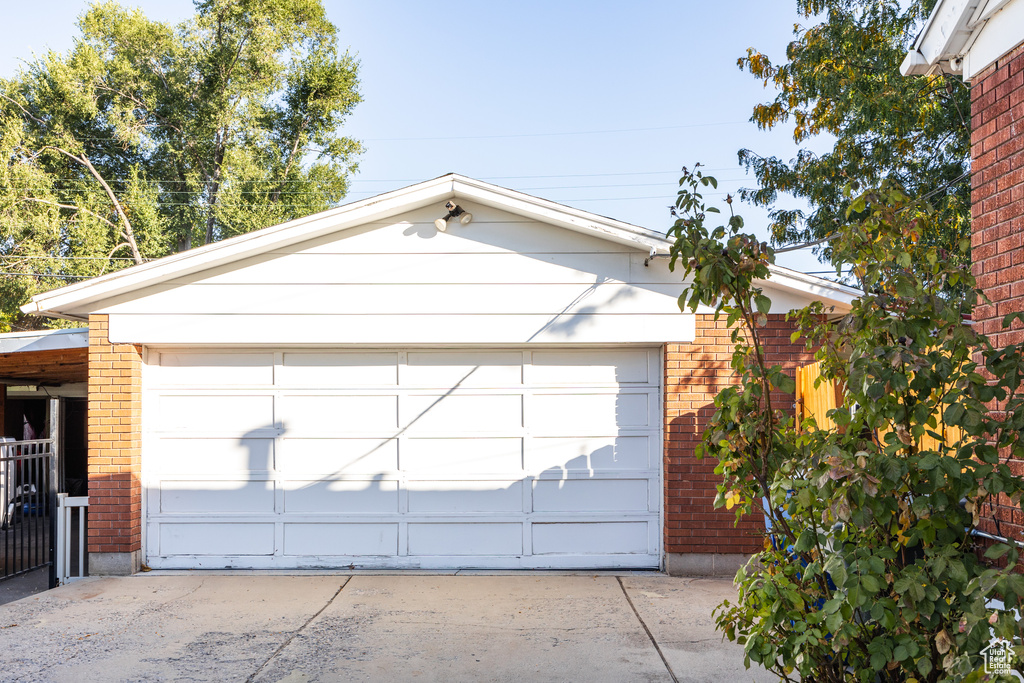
(997, 216)
(115, 493)
(700, 540)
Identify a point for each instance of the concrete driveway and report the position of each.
(372, 627)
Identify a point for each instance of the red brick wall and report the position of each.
(997, 216)
(694, 374)
(115, 494)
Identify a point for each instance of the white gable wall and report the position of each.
(502, 279)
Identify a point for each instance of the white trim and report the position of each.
(999, 32)
(941, 40)
(58, 302)
(965, 37)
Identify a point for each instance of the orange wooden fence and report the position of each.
(816, 401)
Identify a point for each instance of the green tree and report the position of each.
(841, 79)
(871, 572)
(147, 138)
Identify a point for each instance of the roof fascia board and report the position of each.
(237, 248)
(820, 287)
(560, 215)
(946, 34)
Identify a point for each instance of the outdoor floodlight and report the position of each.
(454, 211)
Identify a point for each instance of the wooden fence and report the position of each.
(816, 401)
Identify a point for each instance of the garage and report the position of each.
(379, 386)
(475, 458)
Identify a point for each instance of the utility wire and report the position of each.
(67, 277)
(316, 193)
(503, 135)
(419, 180)
(929, 195)
(69, 258)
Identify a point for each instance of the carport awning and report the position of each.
(45, 368)
(48, 358)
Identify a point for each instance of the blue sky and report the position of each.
(593, 104)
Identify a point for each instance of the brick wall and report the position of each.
(997, 217)
(997, 200)
(694, 374)
(115, 494)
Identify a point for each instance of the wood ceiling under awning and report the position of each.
(45, 368)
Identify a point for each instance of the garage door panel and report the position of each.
(463, 369)
(338, 456)
(581, 414)
(240, 538)
(482, 455)
(213, 456)
(465, 496)
(205, 413)
(348, 496)
(220, 495)
(320, 414)
(338, 369)
(602, 366)
(463, 413)
(590, 495)
(215, 369)
(594, 454)
(591, 538)
(341, 539)
(466, 539)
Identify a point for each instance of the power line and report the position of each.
(559, 134)
(67, 277)
(418, 180)
(69, 258)
(503, 135)
(316, 193)
(833, 236)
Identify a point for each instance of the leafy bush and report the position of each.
(873, 571)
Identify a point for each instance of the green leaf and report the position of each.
(763, 303)
(833, 622)
(997, 550)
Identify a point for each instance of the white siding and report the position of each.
(500, 280)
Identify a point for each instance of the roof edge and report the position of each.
(377, 207)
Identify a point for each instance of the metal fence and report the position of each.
(28, 494)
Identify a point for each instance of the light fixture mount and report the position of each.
(454, 211)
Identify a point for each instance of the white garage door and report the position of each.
(418, 458)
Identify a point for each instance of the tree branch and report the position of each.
(24, 111)
(128, 232)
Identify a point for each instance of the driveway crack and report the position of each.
(650, 635)
(292, 637)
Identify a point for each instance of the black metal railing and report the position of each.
(28, 494)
